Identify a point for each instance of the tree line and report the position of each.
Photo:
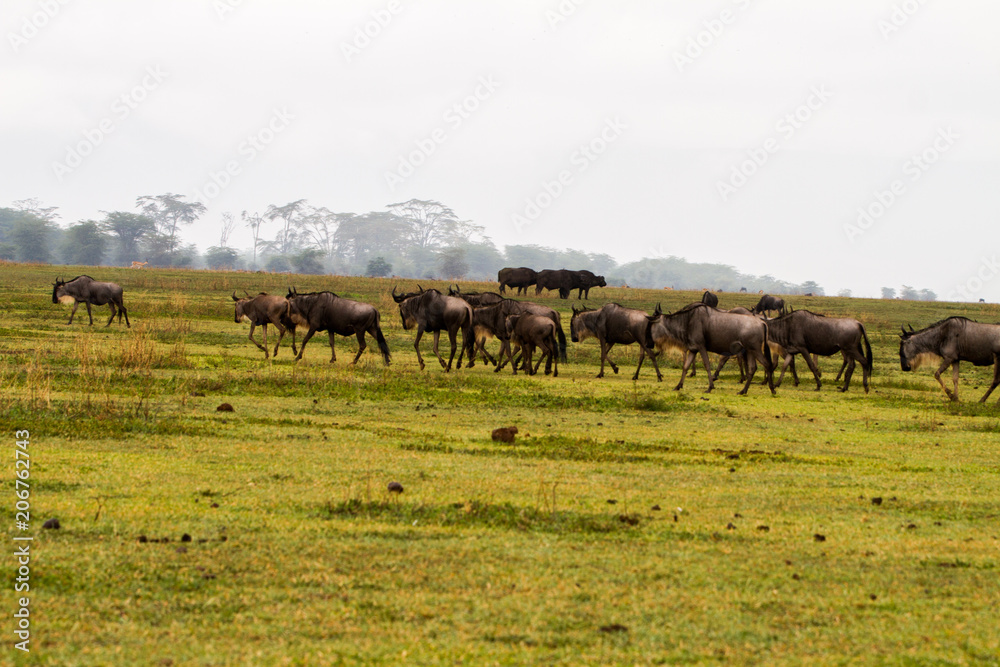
(412, 239)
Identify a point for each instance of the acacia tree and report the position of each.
(127, 230)
(168, 211)
(85, 243)
(289, 214)
(254, 222)
(317, 229)
(432, 224)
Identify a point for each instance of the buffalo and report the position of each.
(529, 331)
(566, 281)
(262, 310)
(809, 334)
(325, 311)
(429, 310)
(700, 329)
(950, 341)
(615, 325)
(84, 289)
(521, 278)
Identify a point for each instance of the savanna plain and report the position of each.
(628, 523)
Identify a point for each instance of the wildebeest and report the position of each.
(530, 331)
(325, 311)
(767, 304)
(709, 299)
(521, 278)
(806, 333)
(566, 281)
(476, 299)
(489, 321)
(700, 329)
(953, 340)
(262, 310)
(614, 325)
(432, 311)
(84, 289)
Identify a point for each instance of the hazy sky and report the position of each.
(851, 142)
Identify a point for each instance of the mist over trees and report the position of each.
(422, 239)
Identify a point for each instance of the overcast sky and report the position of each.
(851, 142)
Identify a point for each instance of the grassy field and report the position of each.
(627, 524)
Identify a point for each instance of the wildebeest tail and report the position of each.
(868, 351)
(562, 343)
(383, 345)
(768, 359)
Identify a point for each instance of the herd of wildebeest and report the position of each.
(522, 328)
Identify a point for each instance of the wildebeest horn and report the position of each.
(911, 327)
(235, 298)
(396, 297)
(247, 293)
(420, 289)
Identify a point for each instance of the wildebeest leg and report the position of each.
(688, 360)
(416, 345)
(437, 339)
(708, 369)
(722, 362)
(89, 314)
(281, 334)
(113, 313)
(954, 371)
(76, 304)
(786, 361)
(751, 358)
(643, 352)
(453, 338)
(333, 351)
(122, 311)
(605, 348)
(996, 379)
(504, 347)
(254, 341)
(481, 346)
(362, 345)
(815, 369)
(302, 346)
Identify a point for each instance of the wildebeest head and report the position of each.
(400, 298)
(240, 303)
(57, 291)
(407, 308)
(912, 353)
(578, 329)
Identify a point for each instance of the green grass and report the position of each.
(626, 524)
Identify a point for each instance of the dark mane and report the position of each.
(964, 320)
